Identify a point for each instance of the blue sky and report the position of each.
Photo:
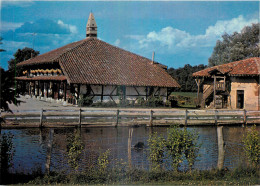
(179, 32)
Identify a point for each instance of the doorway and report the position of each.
(240, 99)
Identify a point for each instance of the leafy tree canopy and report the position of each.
(184, 77)
(22, 55)
(236, 46)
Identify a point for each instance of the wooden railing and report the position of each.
(125, 117)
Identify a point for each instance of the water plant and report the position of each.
(74, 149)
(156, 151)
(251, 141)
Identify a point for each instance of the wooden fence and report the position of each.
(125, 117)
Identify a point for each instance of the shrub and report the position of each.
(179, 145)
(6, 154)
(156, 150)
(103, 162)
(251, 143)
(154, 101)
(85, 100)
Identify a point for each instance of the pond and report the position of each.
(31, 147)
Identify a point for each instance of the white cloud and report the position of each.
(10, 45)
(171, 40)
(73, 29)
(4, 26)
(117, 42)
(18, 3)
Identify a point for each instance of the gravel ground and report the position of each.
(35, 104)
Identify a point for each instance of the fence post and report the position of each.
(245, 119)
(216, 117)
(41, 117)
(186, 116)
(79, 117)
(117, 117)
(151, 118)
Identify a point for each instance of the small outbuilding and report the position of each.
(233, 85)
(96, 69)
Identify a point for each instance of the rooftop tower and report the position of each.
(91, 26)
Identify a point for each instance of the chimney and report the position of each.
(153, 58)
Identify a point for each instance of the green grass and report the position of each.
(185, 94)
(241, 176)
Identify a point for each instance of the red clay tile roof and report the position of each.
(36, 78)
(92, 61)
(246, 67)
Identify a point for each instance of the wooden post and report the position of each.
(245, 117)
(38, 87)
(186, 117)
(129, 147)
(41, 117)
(117, 117)
(216, 117)
(151, 118)
(79, 117)
(221, 152)
(198, 84)
(102, 92)
(49, 150)
(65, 90)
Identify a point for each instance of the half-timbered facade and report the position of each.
(234, 85)
(94, 68)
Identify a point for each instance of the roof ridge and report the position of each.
(257, 64)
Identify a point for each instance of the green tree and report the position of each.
(184, 77)
(236, 46)
(8, 93)
(251, 143)
(21, 55)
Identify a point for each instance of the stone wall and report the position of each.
(251, 92)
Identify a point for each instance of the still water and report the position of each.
(31, 146)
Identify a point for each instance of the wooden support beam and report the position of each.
(214, 96)
(136, 91)
(198, 81)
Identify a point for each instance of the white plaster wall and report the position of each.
(97, 89)
(108, 89)
(83, 89)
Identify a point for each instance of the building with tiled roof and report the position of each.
(233, 85)
(96, 69)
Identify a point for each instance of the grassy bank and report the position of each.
(249, 176)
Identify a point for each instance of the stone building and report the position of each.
(234, 85)
(96, 69)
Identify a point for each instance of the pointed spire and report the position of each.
(91, 26)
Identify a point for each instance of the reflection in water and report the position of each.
(36, 147)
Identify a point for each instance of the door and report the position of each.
(240, 99)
